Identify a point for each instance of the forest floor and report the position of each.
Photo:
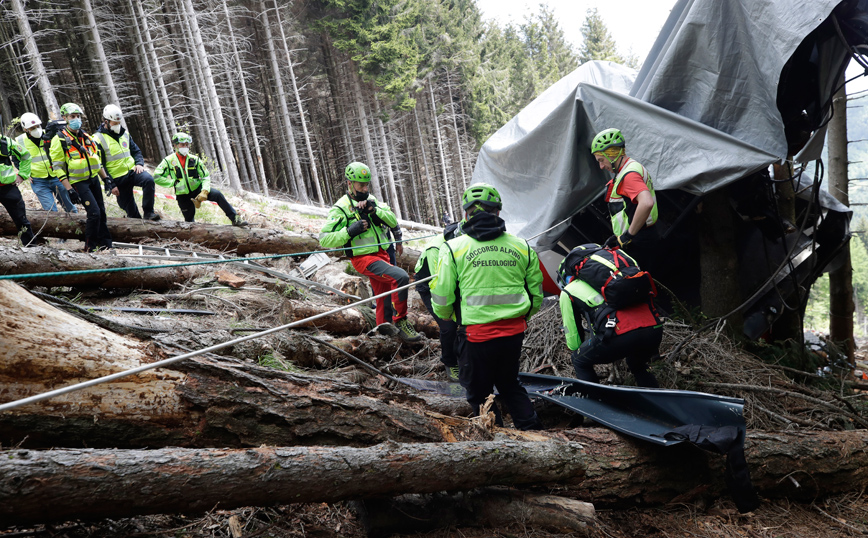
(703, 358)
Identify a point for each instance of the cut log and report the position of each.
(91, 484)
(486, 507)
(18, 261)
(201, 402)
(242, 240)
(348, 322)
(795, 465)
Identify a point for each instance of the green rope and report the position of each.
(209, 262)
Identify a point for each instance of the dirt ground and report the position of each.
(832, 517)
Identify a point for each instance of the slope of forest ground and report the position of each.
(708, 362)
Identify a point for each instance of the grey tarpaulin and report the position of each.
(701, 113)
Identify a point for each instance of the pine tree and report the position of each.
(597, 42)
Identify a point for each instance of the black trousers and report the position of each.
(494, 363)
(127, 201)
(11, 199)
(188, 209)
(637, 347)
(96, 232)
(448, 332)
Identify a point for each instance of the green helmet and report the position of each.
(482, 193)
(606, 139)
(70, 108)
(181, 138)
(357, 171)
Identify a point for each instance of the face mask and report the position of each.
(115, 128)
(359, 196)
(183, 151)
(36, 133)
(75, 125)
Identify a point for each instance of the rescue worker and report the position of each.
(14, 166)
(427, 265)
(186, 173)
(45, 186)
(356, 222)
(76, 163)
(122, 160)
(633, 333)
(490, 283)
(629, 195)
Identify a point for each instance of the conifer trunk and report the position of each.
(35, 60)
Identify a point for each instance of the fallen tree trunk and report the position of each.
(199, 402)
(795, 465)
(92, 484)
(485, 507)
(348, 322)
(20, 261)
(242, 240)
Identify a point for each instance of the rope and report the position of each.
(172, 360)
(27, 276)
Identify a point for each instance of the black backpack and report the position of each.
(614, 273)
(52, 129)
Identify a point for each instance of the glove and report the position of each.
(109, 184)
(73, 196)
(197, 202)
(202, 196)
(357, 228)
(370, 206)
(619, 241)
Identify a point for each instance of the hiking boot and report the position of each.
(238, 221)
(406, 331)
(452, 372)
(150, 215)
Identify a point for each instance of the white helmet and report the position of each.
(112, 112)
(29, 120)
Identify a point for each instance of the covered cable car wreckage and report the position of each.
(730, 88)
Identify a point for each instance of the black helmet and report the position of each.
(569, 267)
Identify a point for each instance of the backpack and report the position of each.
(52, 129)
(614, 273)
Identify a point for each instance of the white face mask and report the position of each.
(183, 151)
(36, 133)
(115, 128)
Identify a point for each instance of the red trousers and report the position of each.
(384, 277)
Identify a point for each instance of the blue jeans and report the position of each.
(49, 188)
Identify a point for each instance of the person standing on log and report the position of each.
(489, 281)
(427, 265)
(630, 198)
(76, 162)
(122, 160)
(357, 222)
(186, 173)
(14, 166)
(45, 186)
(630, 331)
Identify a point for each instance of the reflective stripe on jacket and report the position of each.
(486, 281)
(184, 179)
(622, 210)
(118, 159)
(40, 163)
(68, 161)
(343, 214)
(14, 160)
(571, 313)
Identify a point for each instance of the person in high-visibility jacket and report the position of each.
(122, 160)
(633, 333)
(14, 166)
(45, 186)
(489, 281)
(76, 163)
(356, 222)
(630, 198)
(427, 265)
(186, 173)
